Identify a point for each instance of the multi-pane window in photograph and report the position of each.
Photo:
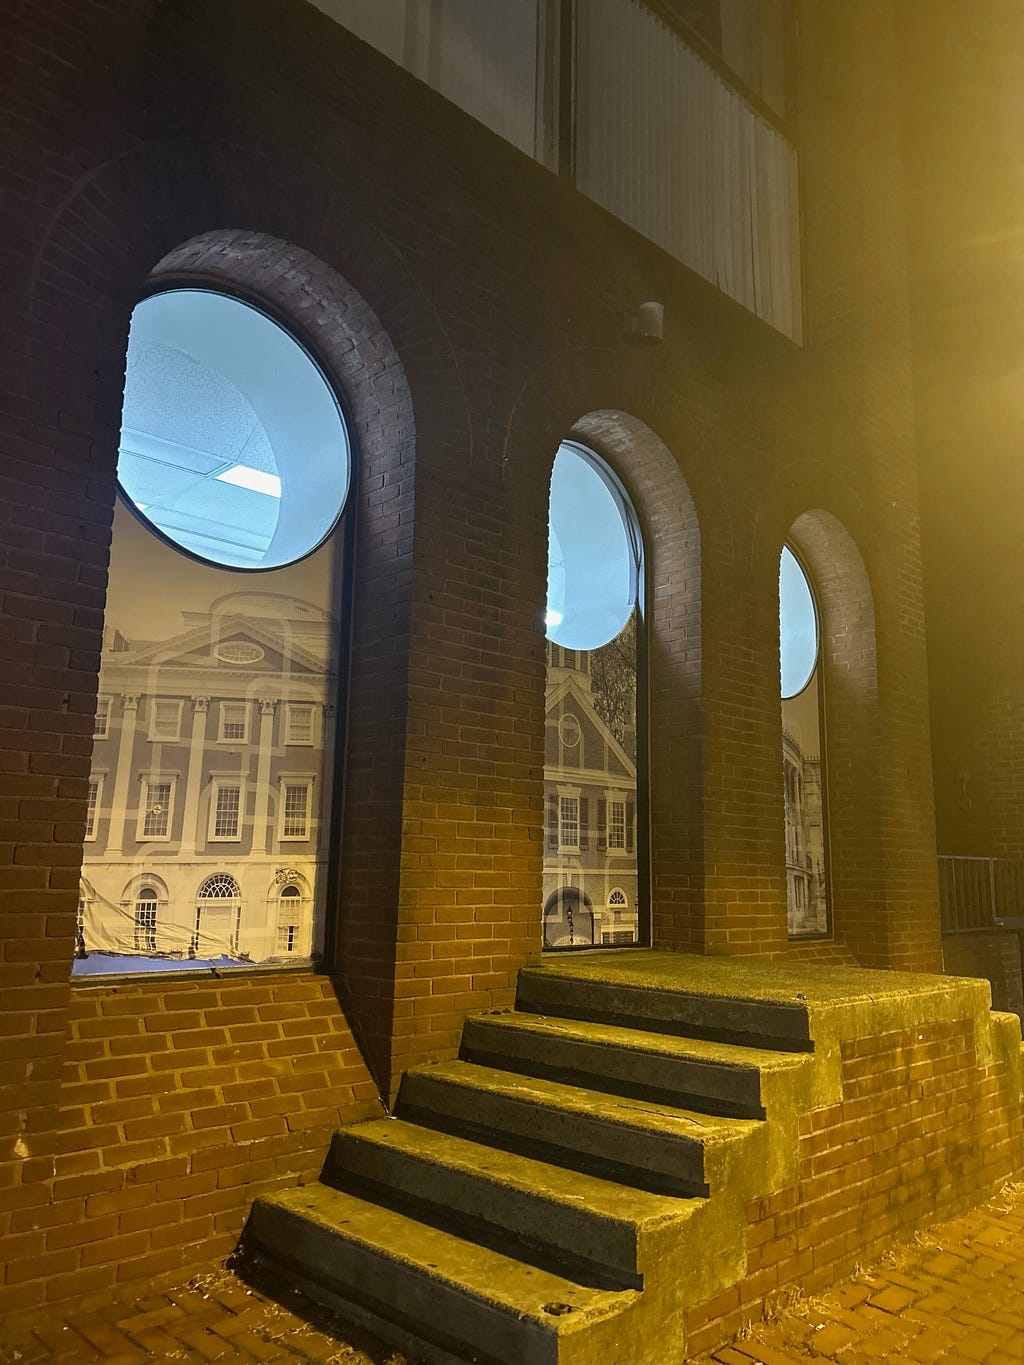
(594, 625)
(101, 724)
(145, 921)
(232, 720)
(227, 811)
(155, 809)
(295, 802)
(222, 648)
(299, 723)
(91, 807)
(616, 824)
(165, 720)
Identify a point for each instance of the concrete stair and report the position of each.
(563, 1191)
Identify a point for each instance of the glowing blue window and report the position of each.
(232, 443)
(798, 626)
(593, 552)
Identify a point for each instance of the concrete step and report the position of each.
(634, 1142)
(575, 1224)
(692, 1073)
(778, 1025)
(418, 1285)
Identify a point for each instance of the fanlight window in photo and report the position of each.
(803, 754)
(593, 703)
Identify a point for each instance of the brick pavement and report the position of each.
(952, 1296)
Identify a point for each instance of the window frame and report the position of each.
(93, 801)
(295, 781)
(104, 713)
(155, 703)
(149, 781)
(223, 707)
(290, 894)
(614, 801)
(571, 794)
(152, 903)
(800, 849)
(291, 708)
(231, 782)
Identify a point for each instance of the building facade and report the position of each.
(335, 806)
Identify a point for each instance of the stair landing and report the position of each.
(575, 1183)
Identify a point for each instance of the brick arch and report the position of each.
(173, 208)
(877, 913)
(672, 547)
(694, 888)
(851, 740)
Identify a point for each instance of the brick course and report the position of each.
(178, 1098)
(921, 1126)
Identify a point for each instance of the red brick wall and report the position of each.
(921, 1132)
(486, 299)
(179, 1100)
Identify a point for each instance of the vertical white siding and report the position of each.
(667, 146)
(481, 55)
(662, 141)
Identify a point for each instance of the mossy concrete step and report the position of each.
(664, 1007)
(635, 1142)
(593, 1229)
(424, 1289)
(693, 1073)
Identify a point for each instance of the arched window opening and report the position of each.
(145, 919)
(593, 701)
(222, 659)
(808, 898)
(568, 919)
(289, 919)
(218, 918)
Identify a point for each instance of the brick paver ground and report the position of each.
(952, 1296)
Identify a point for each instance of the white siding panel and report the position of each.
(481, 56)
(667, 146)
(487, 64)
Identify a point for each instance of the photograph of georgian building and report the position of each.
(206, 789)
(512, 713)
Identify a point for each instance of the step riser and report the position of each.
(569, 1242)
(784, 1028)
(428, 1309)
(714, 1089)
(662, 1163)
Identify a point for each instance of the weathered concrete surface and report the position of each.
(952, 1296)
(543, 1199)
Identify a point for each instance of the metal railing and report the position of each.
(976, 893)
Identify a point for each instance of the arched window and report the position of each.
(594, 695)
(146, 900)
(289, 918)
(234, 463)
(568, 919)
(218, 918)
(803, 766)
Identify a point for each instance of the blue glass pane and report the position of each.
(232, 443)
(798, 626)
(592, 555)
